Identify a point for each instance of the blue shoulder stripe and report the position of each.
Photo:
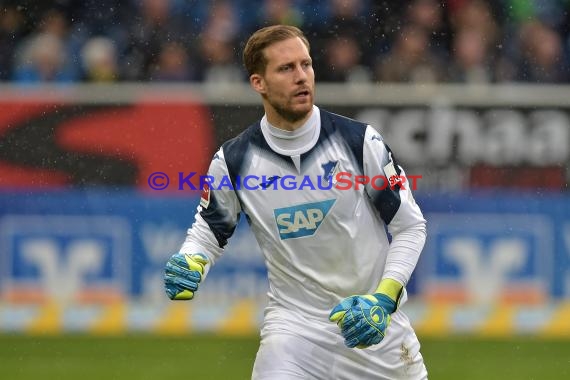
(386, 201)
(219, 221)
(352, 132)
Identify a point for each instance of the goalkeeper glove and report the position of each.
(183, 274)
(363, 319)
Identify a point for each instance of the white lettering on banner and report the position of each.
(487, 257)
(443, 135)
(63, 279)
(65, 256)
(484, 276)
(550, 137)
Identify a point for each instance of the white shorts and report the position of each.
(293, 347)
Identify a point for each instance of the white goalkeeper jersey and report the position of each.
(321, 204)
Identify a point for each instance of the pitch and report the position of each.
(211, 357)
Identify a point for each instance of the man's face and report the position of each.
(288, 84)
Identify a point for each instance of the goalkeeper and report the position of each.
(338, 259)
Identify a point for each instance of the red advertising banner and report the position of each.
(161, 139)
(47, 144)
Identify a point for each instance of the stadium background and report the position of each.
(97, 96)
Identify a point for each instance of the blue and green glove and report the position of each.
(183, 274)
(363, 319)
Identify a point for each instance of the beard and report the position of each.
(289, 113)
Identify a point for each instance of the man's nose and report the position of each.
(300, 74)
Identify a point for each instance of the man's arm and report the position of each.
(397, 207)
(364, 319)
(215, 221)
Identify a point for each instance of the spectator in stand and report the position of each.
(536, 44)
(429, 16)
(409, 60)
(217, 47)
(145, 33)
(153, 26)
(99, 58)
(474, 14)
(280, 12)
(542, 57)
(471, 60)
(478, 15)
(173, 64)
(11, 32)
(477, 42)
(42, 59)
(48, 54)
(219, 61)
(343, 61)
(222, 21)
(345, 22)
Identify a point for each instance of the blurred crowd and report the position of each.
(460, 41)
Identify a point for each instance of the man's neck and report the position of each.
(279, 122)
(293, 143)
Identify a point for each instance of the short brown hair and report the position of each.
(253, 58)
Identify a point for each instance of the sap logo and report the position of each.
(301, 220)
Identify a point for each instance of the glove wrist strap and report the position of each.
(391, 288)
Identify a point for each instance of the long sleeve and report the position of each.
(217, 214)
(392, 197)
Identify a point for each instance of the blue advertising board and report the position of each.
(88, 251)
(491, 243)
(116, 240)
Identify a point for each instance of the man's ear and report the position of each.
(257, 83)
